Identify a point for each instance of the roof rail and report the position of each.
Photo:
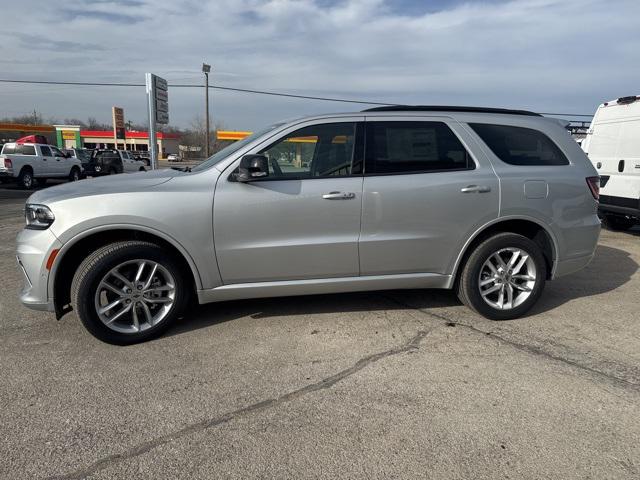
(448, 108)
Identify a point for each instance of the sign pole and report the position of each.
(158, 98)
(153, 143)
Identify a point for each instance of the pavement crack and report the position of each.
(533, 350)
(142, 448)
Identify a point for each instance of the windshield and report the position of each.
(83, 155)
(234, 147)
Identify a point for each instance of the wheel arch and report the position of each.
(75, 251)
(527, 226)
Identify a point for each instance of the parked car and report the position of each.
(130, 163)
(613, 146)
(142, 156)
(28, 163)
(110, 162)
(173, 157)
(82, 154)
(489, 202)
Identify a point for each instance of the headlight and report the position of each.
(38, 217)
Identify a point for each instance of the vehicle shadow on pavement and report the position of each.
(260, 308)
(610, 268)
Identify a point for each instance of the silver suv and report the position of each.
(489, 202)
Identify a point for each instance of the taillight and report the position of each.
(8, 163)
(594, 186)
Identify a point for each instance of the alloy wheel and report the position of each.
(507, 278)
(135, 296)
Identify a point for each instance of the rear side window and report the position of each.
(413, 147)
(46, 151)
(25, 150)
(520, 146)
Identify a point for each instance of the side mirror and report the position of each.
(252, 167)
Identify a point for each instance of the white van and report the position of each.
(613, 146)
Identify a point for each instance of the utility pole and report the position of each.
(206, 69)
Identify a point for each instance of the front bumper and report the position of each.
(33, 250)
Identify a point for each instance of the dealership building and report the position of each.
(72, 136)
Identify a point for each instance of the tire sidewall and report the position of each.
(24, 174)
(479, 257)
(88, 285)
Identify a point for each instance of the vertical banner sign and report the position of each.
(158, 101)
(118, 125)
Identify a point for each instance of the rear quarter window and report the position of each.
(519, 145)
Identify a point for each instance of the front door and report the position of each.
(46, 166)
(424, 195)
(302, 221)
(61, 165)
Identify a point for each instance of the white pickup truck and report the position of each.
(27, 163)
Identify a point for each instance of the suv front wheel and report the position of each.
(503, 277)
(128, 292)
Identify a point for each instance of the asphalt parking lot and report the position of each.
(398, 384)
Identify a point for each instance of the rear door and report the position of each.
(425, 193)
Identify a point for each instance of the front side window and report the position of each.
(57, 152)
(520, 146)
(46, 151)
(413, 147)
(317, 151)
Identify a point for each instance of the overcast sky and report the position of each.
(543, 55)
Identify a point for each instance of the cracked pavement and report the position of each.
(395, 384)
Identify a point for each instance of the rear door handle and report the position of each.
(339, 196)
(475, 189)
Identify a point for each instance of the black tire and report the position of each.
(91, 272)
(468, 288)
(25, 178)
(142, 169)
(618, 222)
(74, 175)
(112, 171)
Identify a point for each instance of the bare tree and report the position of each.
(195, 135)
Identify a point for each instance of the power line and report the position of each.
(232, 89)
(190, 85)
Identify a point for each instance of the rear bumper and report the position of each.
(565, 267)
(578, 246)
(620, 205)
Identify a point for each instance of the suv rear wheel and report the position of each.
(74, 175)
(503, 277)
(25, 178)
(128, 292)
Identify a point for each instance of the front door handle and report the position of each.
(475, 189)
(339, 196)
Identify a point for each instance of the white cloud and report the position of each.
(540, 54)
